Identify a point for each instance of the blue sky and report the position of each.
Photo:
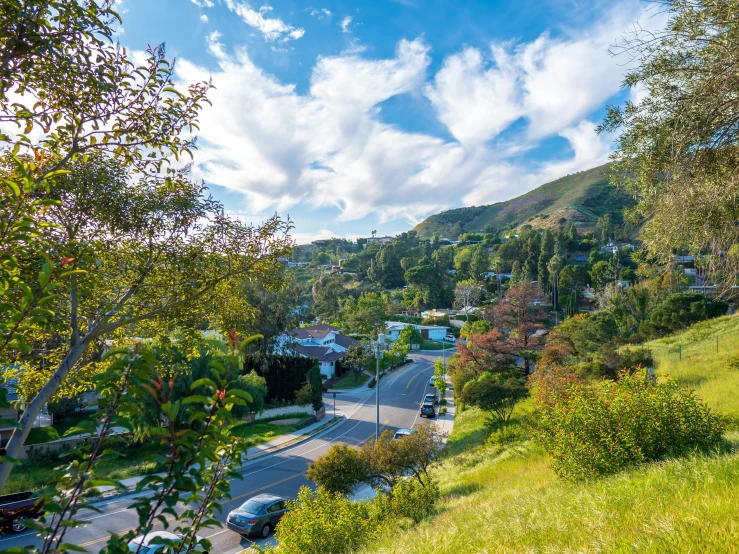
(361, 116)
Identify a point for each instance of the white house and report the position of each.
(428, 332)
(379, 240)
(324, 342)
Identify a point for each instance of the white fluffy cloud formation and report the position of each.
(330, 146)
(271, 28)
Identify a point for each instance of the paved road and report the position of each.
(282, 473)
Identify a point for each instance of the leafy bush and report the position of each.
(600, 429)
(324, 522)
(256, 386)
(304, 395)
(508, 434)
(64, 407)
(495, 396)
(413, 500)
(679, 311)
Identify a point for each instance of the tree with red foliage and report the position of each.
(520, 311)
(487, 352)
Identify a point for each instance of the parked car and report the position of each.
(16, 509)
(151, 543)
(428, 410)
(432, 382)
(257, 516)
(400, 433)
(432, 397)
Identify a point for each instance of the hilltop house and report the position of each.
(428, 332)
(378, 240)
(324, 342)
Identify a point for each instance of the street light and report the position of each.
(378, 355)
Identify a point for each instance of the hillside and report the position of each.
(498, 493)
(581, 198)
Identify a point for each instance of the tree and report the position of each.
(385, 269)
(488, 352)
(359, 357)
(521, 312)
(327, 298)
(479, 263)
(677, 151)
(479, 327)
(385, 461)
(316, 387)
(602, 273)
(604, 229)
(142, 247)
(367, 314)
(410, 335)
(339, 470)
(679, 311)
(467, 294)
(497, 397)
(139, 256)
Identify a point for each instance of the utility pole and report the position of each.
(378, 355)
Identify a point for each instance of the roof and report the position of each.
(343, 340)
(321, 353)
(403, 325)
(314, 331)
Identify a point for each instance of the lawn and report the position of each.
(434, 345)
(37, 474)
(351, 381)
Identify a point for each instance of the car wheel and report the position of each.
(264, 533)
(19, 524)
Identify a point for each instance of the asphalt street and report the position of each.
(283, 473)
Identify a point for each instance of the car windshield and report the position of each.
(252, 507)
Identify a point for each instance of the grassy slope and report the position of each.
(582, 197)
(704, 367)
(504, 497)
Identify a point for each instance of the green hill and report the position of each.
(581, 198)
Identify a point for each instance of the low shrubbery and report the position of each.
(592, 430)
(324, 522)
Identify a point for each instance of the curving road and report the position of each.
(282, 473)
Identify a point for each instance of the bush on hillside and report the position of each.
(495, 396)
(679, 311)
(594, 430)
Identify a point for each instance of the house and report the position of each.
(379, 240)
(428, 332)
(685, 259)
(324, 342)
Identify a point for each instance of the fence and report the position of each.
(723, 342)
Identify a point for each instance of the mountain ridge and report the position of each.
(580, 197)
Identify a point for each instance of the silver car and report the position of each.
(151, 543)
(257, 516)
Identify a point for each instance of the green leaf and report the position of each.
(204, 382)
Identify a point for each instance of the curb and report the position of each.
(130, 491)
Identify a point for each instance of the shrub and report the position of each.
(593, 430)
(442, 410)
(411, 499)
(507, 434)
(64, 407)
(304, 395)
(495, 396)
(324, 522)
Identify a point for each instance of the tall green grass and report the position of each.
(499, 495)
(704, 366)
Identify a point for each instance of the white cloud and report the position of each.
(345, 24)
(319, 13)
(203, 3)
(271, 28)
(204, 18)
(214, 45)
(328, 146)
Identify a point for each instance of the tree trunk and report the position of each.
(18, 439)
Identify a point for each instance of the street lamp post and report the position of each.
(378, 355)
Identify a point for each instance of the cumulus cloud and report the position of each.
(203, 3)
(204, 18)
(329, 145)
(345, 24)
(319, 13)
(271, 28)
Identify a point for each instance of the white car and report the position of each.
(432, 381)
(143, 543)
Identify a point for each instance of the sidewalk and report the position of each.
(254, 453)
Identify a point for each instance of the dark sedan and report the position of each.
(258, 515)
(428, 410)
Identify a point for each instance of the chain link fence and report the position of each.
(723, 342)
